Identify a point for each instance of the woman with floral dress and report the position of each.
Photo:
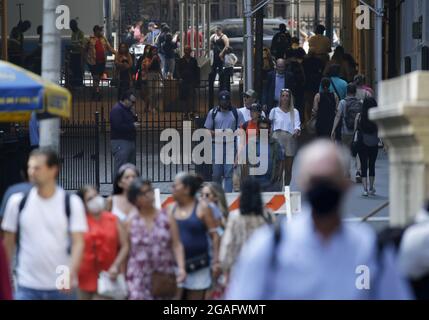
(154, 244)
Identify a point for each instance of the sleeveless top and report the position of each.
(122, 216)
(193, 234)
(101, 249)
(326, 113)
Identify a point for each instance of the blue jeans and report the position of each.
(223, 170)
(123, 152)
(31, 294)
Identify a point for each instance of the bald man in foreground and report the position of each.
(316, 256)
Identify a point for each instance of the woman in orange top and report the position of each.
(106, 245)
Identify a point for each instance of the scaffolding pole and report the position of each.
(4, 30)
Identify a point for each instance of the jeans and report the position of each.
(32, 294)
(169, 65)
(223, 170)
(123, 152)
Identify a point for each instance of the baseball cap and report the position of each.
(251, 93)
(224, 95)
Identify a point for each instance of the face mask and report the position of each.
(324, 197)
(96, 205)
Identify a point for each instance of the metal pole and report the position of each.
(208, 18)
(51, 66)
(292, 17)
(259, 44)
(192, 33)
(378, 45)
(197, 28)
(248, 43)
(181, 18)
(329, 20)
(297, 18)
(316, 13)
(4, 30)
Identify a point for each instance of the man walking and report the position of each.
(249, 98)
(316, 256)
(222, 121)
(188, 72)
(46, 226)
(123, 123)
(281, 42)
(348, 111)
(276, 81)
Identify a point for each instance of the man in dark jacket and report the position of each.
(123, 131)
(189, 75)
(276, 81)
(281, 42)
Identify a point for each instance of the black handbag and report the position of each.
(197, 263)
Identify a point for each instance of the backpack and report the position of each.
(234, 112)
(21, 208)
(352, 109)
(167, 42)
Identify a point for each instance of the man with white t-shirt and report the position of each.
(46, 227)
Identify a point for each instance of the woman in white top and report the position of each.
(118, 203)
(286, 128)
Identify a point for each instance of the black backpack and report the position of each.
(352, 109)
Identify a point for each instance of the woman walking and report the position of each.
(324, 110)
(106, 244)
(118, 203)
(286, 128)
(196, 222)
(213, 193)
(368, 150)
(151, 69)
(155, 248)
(123, 64)
(241, 226)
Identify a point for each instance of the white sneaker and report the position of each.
(372, 192)
(365, 194)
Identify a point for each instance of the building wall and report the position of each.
(411, 11)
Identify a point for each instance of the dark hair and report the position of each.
(339, 53)
(135, 188)
(83, 190)
(191, 181)
(127, 94)
(116, 188)
(325, 83)
(295, 40)
(97, 28)
(52, 159)
(25, 25)
(320, 29)
(351, 89)
(73, 22)
(333, 71)
(251, 198)
(366, 124)
(282, 27)
(39, 30)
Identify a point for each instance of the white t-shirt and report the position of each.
(282, 120)
(246, 114)
(44, 235)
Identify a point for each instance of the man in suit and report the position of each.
(276, 81)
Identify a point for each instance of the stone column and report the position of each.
(403, 120)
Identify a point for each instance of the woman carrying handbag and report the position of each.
(156, 262)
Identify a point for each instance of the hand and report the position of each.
(181, 276)
(216, 270)
(113, 272)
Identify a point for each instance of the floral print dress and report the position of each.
(150, 250)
